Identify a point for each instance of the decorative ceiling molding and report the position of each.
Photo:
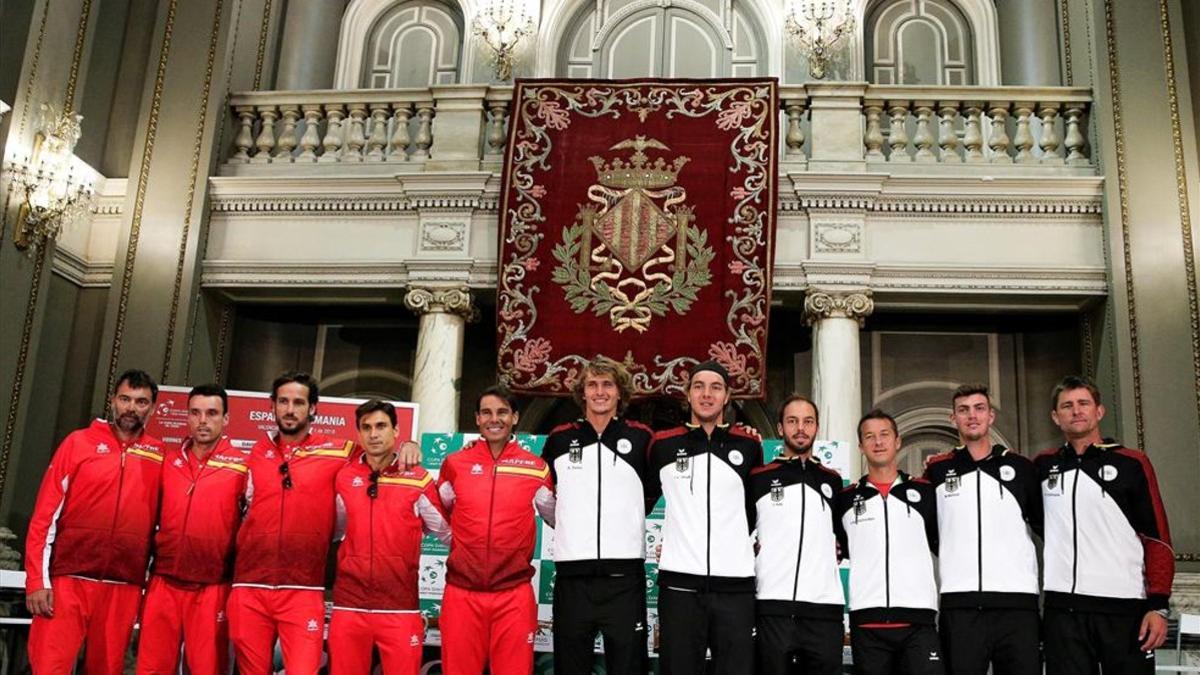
(81, 272)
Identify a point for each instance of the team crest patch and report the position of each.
(776, 492)
(624, 446)
(575, 453)
(414, 641)
(312, 626)
(1052, 479)
(913, 496)
(270, 454)
(952, 483)
(735, 458)
(178, 462)
(1007, 473)
(102, 449)
(860, 507)
(682, 462)
(357, 482)
(476, 469)
(1108, 472)
(827, 490)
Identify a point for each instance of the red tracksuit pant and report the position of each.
(399, 637)
(93, 612)
(190, 614)
(493, 628)
(257, 615)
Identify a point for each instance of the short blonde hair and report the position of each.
(602, 365)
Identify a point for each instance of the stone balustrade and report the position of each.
(976, 125)
(834, 126)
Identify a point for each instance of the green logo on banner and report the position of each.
(651, 585)
(431, 545)
(546, 583)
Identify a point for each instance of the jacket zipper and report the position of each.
(187, 510)
(979, 521)
(708, 511)
(800, 546)
(887, 555)
(491, 508)
(371, 538)
(1075, 525)
(599, 499)
(282, 498)
(117, 508)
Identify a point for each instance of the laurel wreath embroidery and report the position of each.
(583, 293)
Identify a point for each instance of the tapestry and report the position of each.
(637, 221)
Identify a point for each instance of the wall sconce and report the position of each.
(816, 28)
(502, 24)
(52, 196)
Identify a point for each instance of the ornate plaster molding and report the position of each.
(819, 304)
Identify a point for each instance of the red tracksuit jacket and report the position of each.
(95, 510)
(285, 538)
(201, 510)
(381, 549)
(491, 504)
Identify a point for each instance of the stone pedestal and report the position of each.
(437, 374)
(837, 376)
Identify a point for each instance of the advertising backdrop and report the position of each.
(250, 417)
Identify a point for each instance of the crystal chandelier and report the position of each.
(52, 195)
(816, 28)
(502, 24)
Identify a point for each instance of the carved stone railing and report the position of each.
(448, 127)
(823, 126)
(976, 125)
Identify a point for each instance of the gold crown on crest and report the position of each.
(639, 172)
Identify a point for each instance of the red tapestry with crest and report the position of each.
(637, 221)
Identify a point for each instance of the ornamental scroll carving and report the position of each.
(831, 305)
(439, 300)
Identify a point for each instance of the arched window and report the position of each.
(647, 38)
(918, 42)
(387, 44)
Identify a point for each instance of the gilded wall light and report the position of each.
(53, 195)
(501, 25)
(816, 27)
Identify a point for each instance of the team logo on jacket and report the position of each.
(682, 461)
(357, 482)
(860, 506)
(913, 496)
(529, 638)
(1108, 472)
(1007, 473)
(735, 457)
(414, 641)
(178, 463)
(952, 482)
(270, 454)
(476, 469)
(827, 490)
(776, 491)
(575, 453)
(1052, 479)
(624, 446)
(102, 449)
(312, 626)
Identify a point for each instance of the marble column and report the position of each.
(1028, 42)
(308, 49)
(836, 318)
(437, 374)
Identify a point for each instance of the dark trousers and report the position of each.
(615, 607)
(1007, 639)
(789, 645)
(912, 650)
(1083, 643)
(691, 622)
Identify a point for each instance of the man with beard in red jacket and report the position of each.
(203, 484)
(89, 537)
(279, 572)
(490, 489)
(382, 509)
